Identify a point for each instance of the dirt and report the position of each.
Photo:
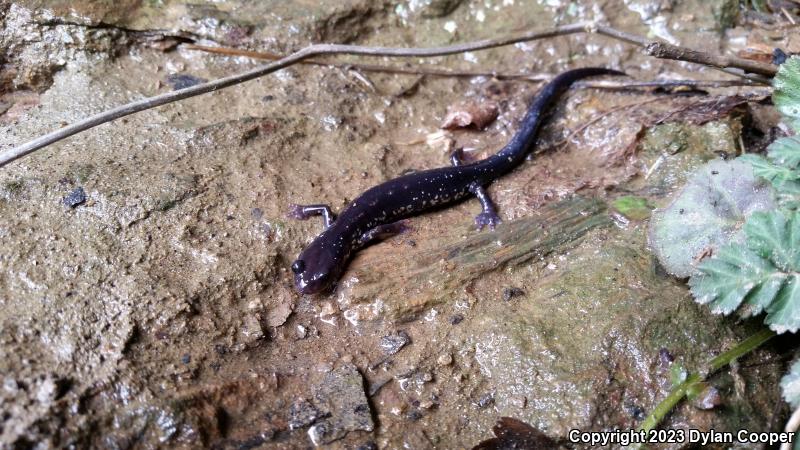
(145, 295)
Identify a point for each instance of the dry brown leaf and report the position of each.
(477, 114)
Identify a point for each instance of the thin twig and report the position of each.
(406, 70)
(308, 52)
(442, 72)
(788, 16)
(668, 51)
(664, 84)
(304, 54)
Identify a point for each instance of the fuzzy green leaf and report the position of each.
(784, 313)
(774, 237)
(790, 385)
(762, 275)
(781, 169)
(773, 173)
(785, 152)
(732, 275)
(707, 214)
(787, 91)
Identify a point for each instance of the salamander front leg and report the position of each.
(382, 232)
(303, 212)
(488, 215)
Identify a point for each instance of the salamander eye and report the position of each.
(298, 266)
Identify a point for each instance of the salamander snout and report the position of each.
(316, 269)
(309, 281)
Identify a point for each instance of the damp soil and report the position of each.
(145, 296)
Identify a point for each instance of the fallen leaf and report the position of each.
(516, 434)
(472, 113)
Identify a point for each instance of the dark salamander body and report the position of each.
(375, 212)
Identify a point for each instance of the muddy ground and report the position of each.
(145, 296)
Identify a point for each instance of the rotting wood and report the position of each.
(436, 270)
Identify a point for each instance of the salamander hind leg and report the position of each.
(488, 215)
(382, 232)
(303, 212)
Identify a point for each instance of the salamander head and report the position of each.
(316, 269)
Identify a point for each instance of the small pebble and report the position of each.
(485, 401)
(186, 359)
(779, 57)
(456, 319)
(427, 404)
(392, 343)
(511, 292)
(75, 198)
(414, 415)
(302, 413)
(445, 359)
(709, 398)
(665, 358)
(10, 385)
(635, 411)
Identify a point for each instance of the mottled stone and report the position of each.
(392, 343)
(75, 198)
(341, 395)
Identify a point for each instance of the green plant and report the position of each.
(762, 273)
(742, 224)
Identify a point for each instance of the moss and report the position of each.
(632, 207)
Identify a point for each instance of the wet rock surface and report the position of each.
(341, 397)
(159, 311)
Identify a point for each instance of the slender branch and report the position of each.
(442, 72)
(308, 52)
(304, 54)
(679, 392)
(664, 50)
(405, 70)
(609, 84)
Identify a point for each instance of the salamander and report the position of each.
(377, 212)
